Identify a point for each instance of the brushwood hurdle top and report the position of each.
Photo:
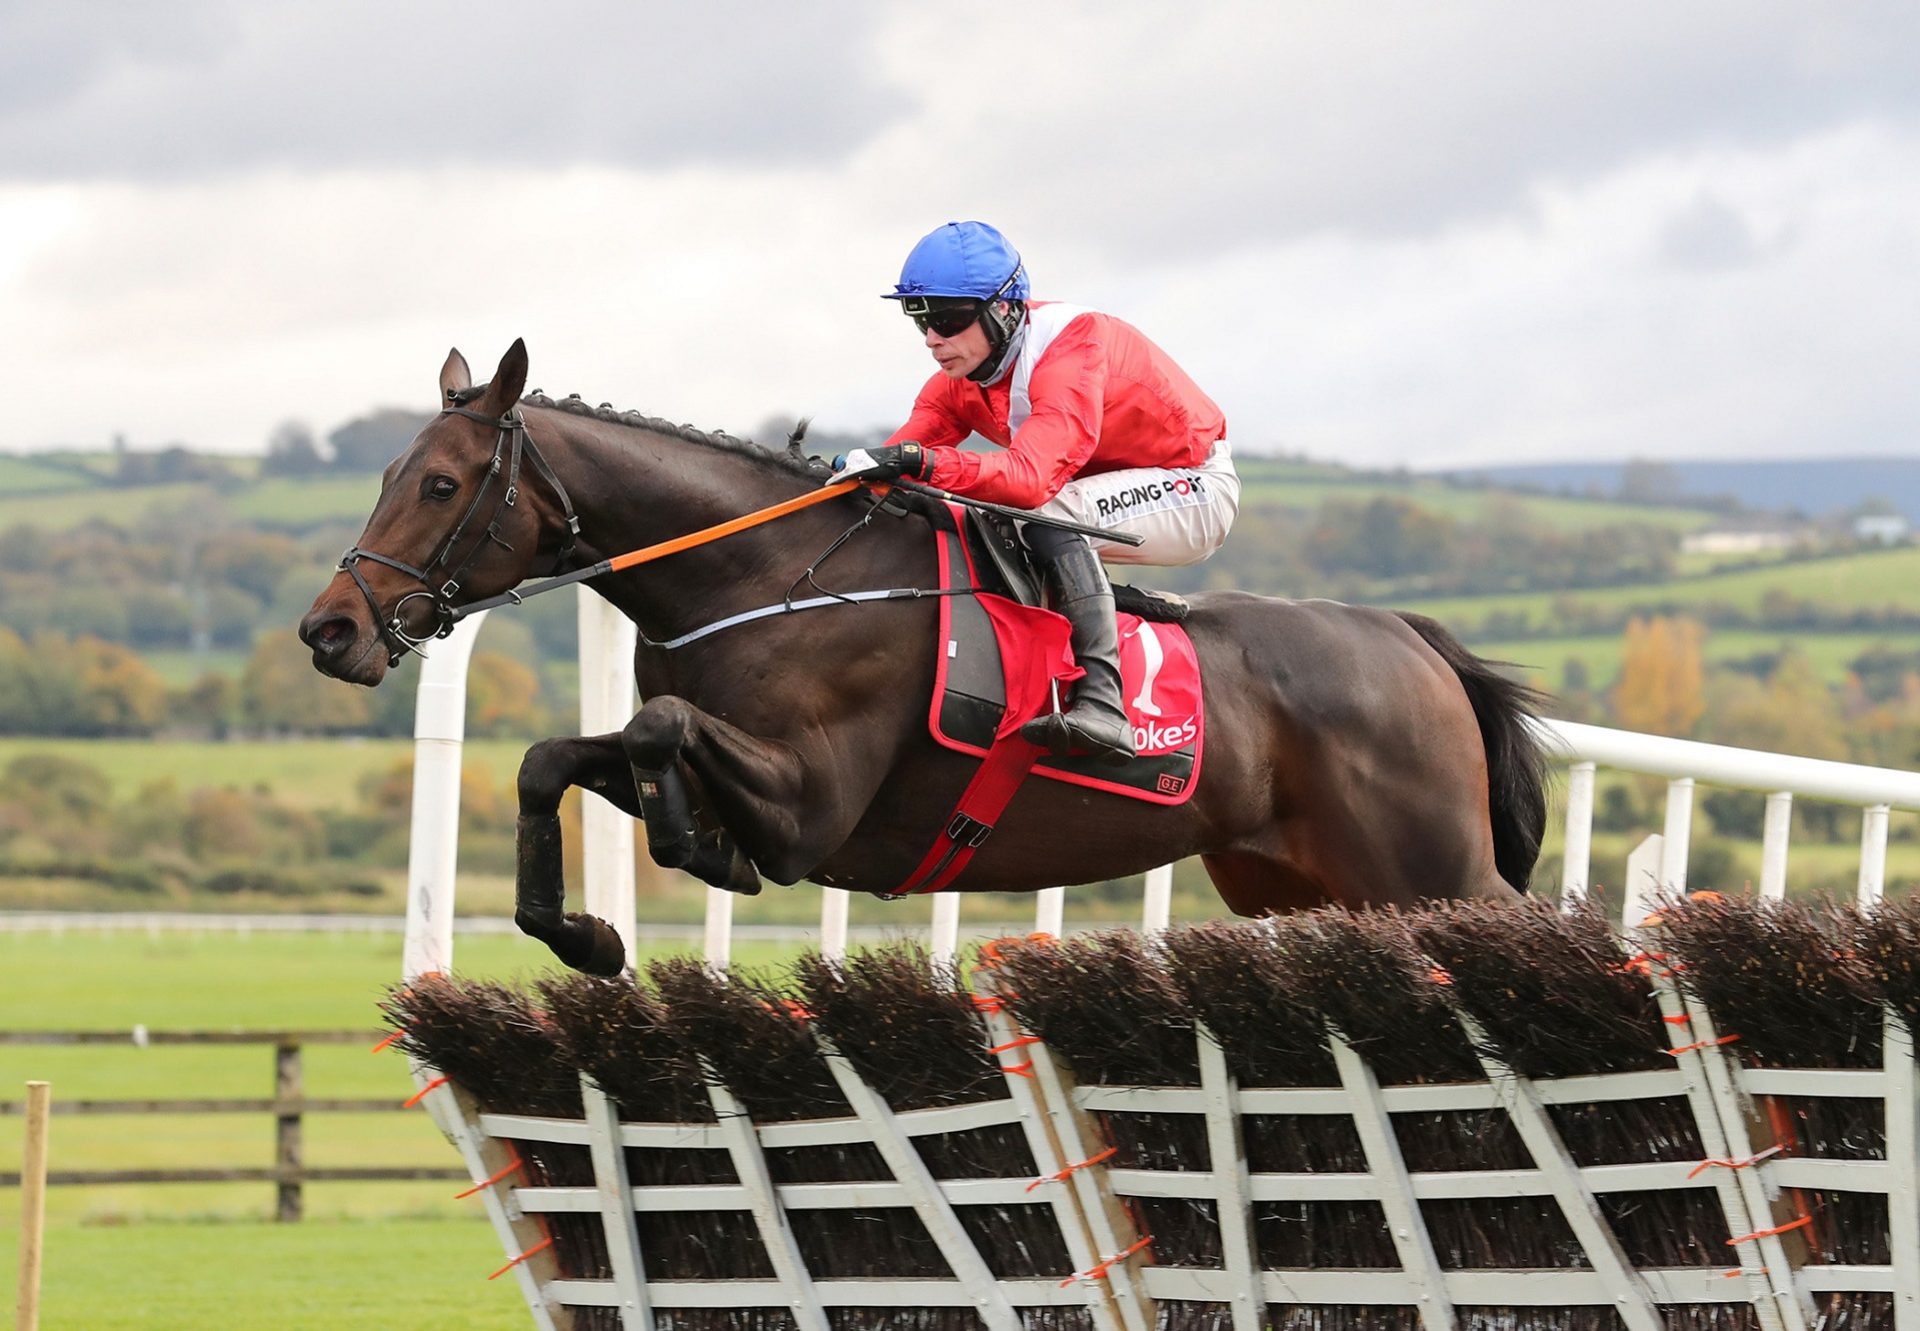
(1462, 1117)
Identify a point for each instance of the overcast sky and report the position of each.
(1381, 233)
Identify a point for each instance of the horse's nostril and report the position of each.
(330, 635)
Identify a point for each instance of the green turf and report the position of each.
(19, 476)
(1873, 580)
(370, 1254)
(1470, 505)
(1546, 658)
(309, 772)
(126, 507)
(417, 1274)
(56, 498)
(286, 501)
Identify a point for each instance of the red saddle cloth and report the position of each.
(999, 662)
(1000, 666)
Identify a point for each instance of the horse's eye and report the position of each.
(441, 487)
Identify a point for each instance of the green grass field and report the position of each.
(54, 499)
(52, 495)
(369, 1255)
(313, 773)
(20, 476)
(1881, 578)
(1546, 658)
(58, 510)
(1310, 490)
(283, 501)
(191, 1256)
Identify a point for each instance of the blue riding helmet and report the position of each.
(962, 259)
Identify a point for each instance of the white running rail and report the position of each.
(1877, 790)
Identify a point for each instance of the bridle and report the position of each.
(510, 445)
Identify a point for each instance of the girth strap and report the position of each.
(1000, 774)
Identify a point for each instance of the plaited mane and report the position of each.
(791, 459)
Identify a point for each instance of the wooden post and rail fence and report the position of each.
(288, 1105)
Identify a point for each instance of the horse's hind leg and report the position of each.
(596, 763)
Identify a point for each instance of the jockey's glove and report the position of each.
(880, 464)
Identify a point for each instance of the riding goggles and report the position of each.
(948, 317)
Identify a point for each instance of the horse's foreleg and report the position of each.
(595, 763)
(675, 840)
(760, 779)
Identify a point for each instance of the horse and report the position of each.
(1354, 756)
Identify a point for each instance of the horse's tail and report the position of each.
(1516, 762)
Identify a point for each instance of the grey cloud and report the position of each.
(1399, 120)
(1708, 234)
(162, 92)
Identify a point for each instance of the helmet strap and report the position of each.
(1002, 342)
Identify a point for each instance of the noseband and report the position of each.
(510, 444)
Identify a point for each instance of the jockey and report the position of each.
(1099, 427)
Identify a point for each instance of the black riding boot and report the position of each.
(1096, 723)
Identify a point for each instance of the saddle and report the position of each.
(982, 652)
(1002, 565)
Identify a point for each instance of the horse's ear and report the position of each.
(454, 376)
(508, 381)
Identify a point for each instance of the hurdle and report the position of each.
(1080, 1125)
(1426, 1154)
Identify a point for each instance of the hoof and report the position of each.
(587, 943)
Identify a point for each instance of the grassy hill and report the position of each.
(1545, 659)
(63, 490)
(1869, 580)
(54, 495)
(1811, 485)
(1307, 485)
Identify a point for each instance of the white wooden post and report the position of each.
(1577, 864)
(433, 844)
(1675, 836)
(945, 941)
(1156, 906)
(1050, 911)
(607, 643)
(614, 1193)
(1643, 884)
(1873, 855)
(833, 922)
(1232, 1186)
(1903, 1159)
(1773, 845)
(1411, 1239)
(718, 943)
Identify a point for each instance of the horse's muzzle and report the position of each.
(342, 648)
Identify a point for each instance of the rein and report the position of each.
(659, 550)
(514, 443)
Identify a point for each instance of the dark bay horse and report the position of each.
(1354, 756)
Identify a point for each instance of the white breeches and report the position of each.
(1183, 512)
